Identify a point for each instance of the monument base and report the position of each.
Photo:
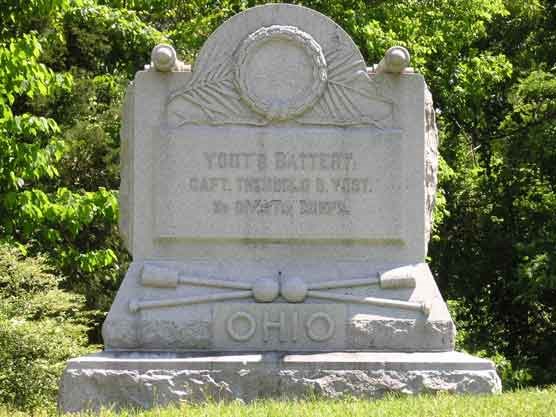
(143, 380)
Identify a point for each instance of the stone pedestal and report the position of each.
(143, 380)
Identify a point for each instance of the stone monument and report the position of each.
(277, 201)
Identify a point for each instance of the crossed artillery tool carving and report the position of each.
(266, 290)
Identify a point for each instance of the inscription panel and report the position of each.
(280, 183)
(279, 327)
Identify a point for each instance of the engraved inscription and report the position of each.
(301, 161)
(281, 326)
(246, 181)
(276, 326)
(319, 327)
(305, 162)
(312, 325)
(246, 321)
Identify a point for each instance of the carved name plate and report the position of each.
(281, 183)
(279, 327)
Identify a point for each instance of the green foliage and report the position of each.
(102, 39)
(18, 17)
(60, 220)
(186, 24)
(28, 145)
(512, 377)
(41, 326)
(59, 122)
(501, 237)
(91, 158)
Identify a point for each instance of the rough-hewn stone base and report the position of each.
(143, 380)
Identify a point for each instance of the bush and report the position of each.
(41, 326)
(513, 375)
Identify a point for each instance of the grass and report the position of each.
(523, 403)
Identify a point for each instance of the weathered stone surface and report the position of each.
(276, 198)
(330, 162)
(145, 380)
(431, 161)
(280, 164)
(204, 326)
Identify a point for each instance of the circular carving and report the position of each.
(163, 57)
(329, 324)
(265, 290)
(294, 290)
(280, 71)
(252, 326)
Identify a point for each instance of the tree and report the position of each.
(64, 66)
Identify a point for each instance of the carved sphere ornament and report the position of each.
(163, 57)
(280, 71)
(265, 290)
(294, 290)
(396, 59)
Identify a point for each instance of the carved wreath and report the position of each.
(341, 92)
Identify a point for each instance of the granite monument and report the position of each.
(277, 200)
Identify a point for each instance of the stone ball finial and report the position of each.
(396, 59)
(164, 57)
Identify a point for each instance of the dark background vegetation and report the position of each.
(64, 65)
